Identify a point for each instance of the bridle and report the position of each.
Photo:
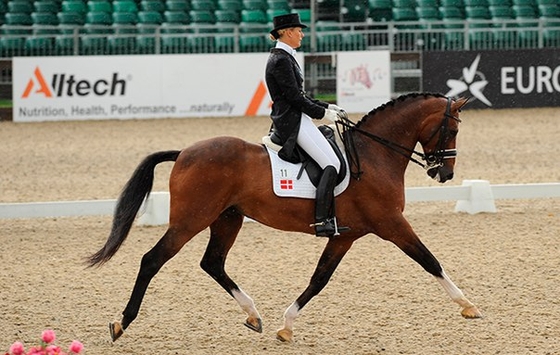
(433, 160)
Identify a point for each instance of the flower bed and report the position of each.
(47, 346)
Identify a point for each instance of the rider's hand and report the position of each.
(341, 112)
(331, 115)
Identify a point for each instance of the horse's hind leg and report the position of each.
(408, 242)
(167, 247)
(223, 232)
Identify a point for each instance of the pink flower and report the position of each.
(76, 347)
(53, 350)
(36, 350)
(48, 336)
(17, 348)
(47, 346)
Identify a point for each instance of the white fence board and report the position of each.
(440, 193)
(514, 191)
(156, 210)
(57, 209)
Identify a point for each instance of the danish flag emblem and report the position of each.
(287, 184)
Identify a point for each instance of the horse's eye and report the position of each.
(453, 133)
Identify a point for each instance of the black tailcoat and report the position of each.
(284, 80)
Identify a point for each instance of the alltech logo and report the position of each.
(69, 85)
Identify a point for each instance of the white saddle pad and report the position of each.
(286, 183)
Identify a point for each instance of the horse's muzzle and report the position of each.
(440, 173)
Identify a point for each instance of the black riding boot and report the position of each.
(325, 220)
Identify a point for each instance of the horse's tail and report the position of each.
(134, 193)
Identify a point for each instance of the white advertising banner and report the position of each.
(363, 80)
(123, 87)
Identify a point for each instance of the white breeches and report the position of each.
(312, 141)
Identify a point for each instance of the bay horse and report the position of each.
(217, 182)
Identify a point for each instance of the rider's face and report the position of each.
(293, 37)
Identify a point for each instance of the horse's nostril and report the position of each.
(432, 172)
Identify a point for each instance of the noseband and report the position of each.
(433, 160)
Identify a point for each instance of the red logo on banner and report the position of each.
(38, 80)
(286, 184)
(257, 100)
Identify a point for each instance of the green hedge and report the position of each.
(5, 103)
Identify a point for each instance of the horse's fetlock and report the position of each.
(127, 319)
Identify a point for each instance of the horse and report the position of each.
(218, 182)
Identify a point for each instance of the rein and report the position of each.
(433, 160)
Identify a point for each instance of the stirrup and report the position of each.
(328, 228)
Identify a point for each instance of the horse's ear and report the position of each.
(460, 102)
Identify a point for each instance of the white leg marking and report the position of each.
(454, 292)
(246, 303)
(290, 316)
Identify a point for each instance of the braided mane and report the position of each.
(348, 139)
(398, 100)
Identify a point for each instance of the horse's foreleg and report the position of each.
(409, 243)
(469, 310)
(151, 263)
(223, 233)
(332, 255)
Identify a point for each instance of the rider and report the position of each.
(292, 111)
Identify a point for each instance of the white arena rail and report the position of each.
(473, 196)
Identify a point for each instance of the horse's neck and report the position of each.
(396, 126)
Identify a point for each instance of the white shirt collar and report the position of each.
(287, 48)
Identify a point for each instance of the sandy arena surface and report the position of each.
(378, 301)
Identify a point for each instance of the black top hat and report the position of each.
(285, 21)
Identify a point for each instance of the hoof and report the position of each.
(285, 335)
(471, 313)
(254, 324)
(116, 330)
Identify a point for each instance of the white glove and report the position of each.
(341, 112)
(331, 115)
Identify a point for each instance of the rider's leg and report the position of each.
(325, 220)
(316, 145)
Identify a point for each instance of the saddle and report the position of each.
(311, 167)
